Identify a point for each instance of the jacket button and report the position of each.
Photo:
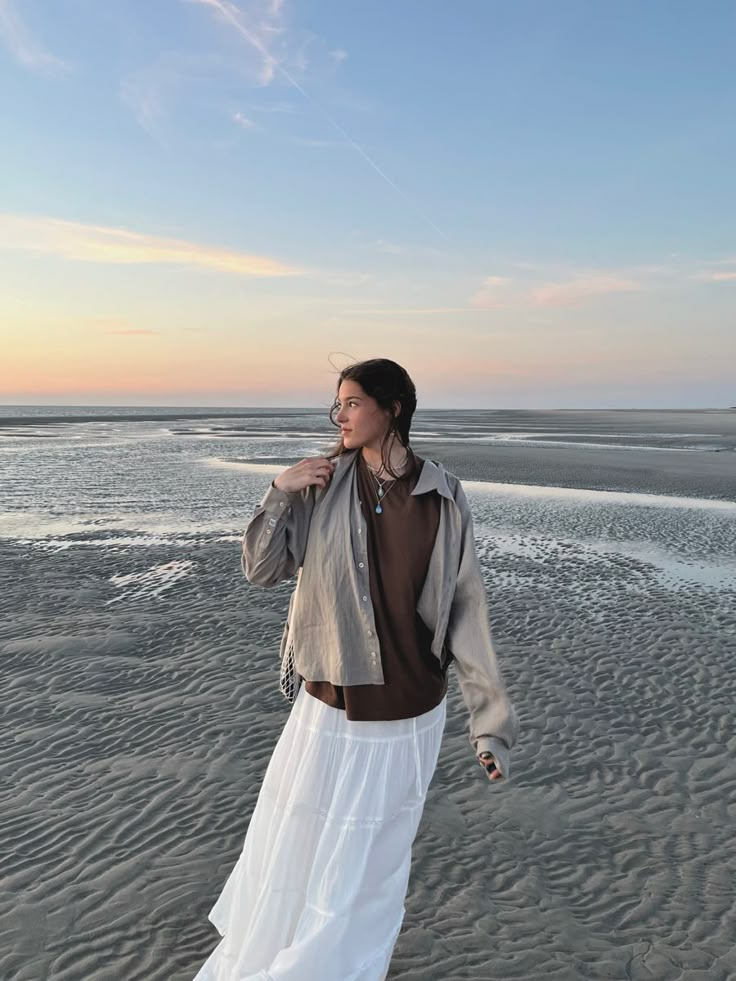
(360, 565)
(370, 633)
(365, 598)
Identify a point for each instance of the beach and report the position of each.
(141, 704)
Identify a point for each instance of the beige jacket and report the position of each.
(318, 535)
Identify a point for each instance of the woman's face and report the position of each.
(361, 419)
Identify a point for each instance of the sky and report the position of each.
(210, 202)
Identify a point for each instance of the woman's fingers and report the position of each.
(310, 470)
(313, 470)
(489, 764)
(323, 471)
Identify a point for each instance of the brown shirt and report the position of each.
(400, 542)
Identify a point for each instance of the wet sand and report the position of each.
(645, 471)
(140, 708)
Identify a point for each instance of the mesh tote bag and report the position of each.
(289, 680)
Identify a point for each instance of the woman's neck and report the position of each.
(398, 457)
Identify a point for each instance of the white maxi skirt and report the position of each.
(318, 891)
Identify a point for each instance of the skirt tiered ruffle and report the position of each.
(318, 891)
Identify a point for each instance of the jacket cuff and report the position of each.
(501, 753)
(276, 501)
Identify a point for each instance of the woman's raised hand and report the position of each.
(312, 470)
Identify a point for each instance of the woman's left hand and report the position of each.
(488, 763)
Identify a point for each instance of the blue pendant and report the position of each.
(379, 509)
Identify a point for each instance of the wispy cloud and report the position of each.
(265, 25)
(133, 332)
(237, 20)
(93, 243)
(277, 44)
(503, 292)
(150, 92)
(579, 288)
(144, 94)
(23, 46)
(243, 121)
(718, 275)
(494, 294)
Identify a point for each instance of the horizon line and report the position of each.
(317, 408)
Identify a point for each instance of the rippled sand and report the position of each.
(140, 707)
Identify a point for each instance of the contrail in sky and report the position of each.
(230, 13)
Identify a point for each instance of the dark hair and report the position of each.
(386, 382)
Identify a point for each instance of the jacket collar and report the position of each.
(432, 477)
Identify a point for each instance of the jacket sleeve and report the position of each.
(276, 536)
(494, 724)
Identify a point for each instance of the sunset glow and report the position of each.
(224, 210)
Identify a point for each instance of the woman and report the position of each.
(389, 593)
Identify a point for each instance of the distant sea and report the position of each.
(67, 468)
